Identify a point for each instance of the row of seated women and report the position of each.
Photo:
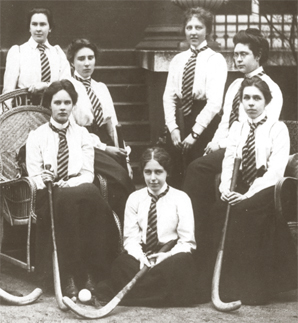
(260, 259)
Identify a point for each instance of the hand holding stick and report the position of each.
(104, 311)
(219, 305)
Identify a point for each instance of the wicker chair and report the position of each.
(17, 193)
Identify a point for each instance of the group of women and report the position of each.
(80, 141)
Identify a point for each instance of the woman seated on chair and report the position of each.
(36, 63)
(154, 216)
(95, 111)
(86, 235)
(260, 254)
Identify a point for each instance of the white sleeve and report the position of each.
(64, 69)
(12, 69)
(277, 161)
(170, 98)
(186, 228)
(273, 109)
(34, 160)
(215, 84)
(132, 232)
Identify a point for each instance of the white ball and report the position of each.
(85, 295)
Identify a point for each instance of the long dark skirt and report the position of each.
(180, 162)
(86, 234)
(260, 257)
(170, 283)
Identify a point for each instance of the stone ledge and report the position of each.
(159, 60)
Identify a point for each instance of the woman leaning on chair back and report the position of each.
(36, 63)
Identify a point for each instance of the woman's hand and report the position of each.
(211, 147)
(232, 197)
(157, 258)
(115, 151)
(130, 171)
(187, 143)
(37, 87)
(47, 176)
(144, 262)
(176, 138)
(62, 183)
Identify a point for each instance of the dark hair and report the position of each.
(44, 11)
(57, 86)
(78, 44)
(255, 41)
(160, 155)
(203, 15)
(259, 84)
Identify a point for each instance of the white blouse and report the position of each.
(42, 148)
(175, 220)
(209, 82)
(83, 112)
(23, 67)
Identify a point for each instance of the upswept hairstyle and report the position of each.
(57, 86)
(44, 11)
(259, 84)
(255, 41)
(160, 155)
(203, 15)
(78, 44)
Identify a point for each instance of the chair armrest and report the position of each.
(18, 199)
(284, 187)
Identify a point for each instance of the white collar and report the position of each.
(259, 118)
(33, 44)
(83, 78)
(161, 191)
(255, 72)
(59, 125)
(203, 44)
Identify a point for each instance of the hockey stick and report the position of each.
(108, 308)
(218, 304)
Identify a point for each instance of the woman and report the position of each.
(194, 92)
(36, 63)
(95, 111)
(170, 281)
(260, 254)
(86, 235)
(250, 54)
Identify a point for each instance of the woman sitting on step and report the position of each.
(95, 111)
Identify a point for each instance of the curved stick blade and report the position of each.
(23, 300)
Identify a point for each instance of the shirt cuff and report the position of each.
(197, 128)
(172, 126)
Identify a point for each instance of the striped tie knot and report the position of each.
(151, 233)
(41, 48)
(63, 152)
(249, 168)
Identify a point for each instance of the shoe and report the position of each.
(70, 288)
(90, 283)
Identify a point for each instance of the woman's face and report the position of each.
(195, 32)
(244, 59)
(39, 27)
(61, 106)
(155, 176)
(253, 101)
(84, 62)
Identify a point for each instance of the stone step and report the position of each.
(135, 130)
(119, 74)
(127, 111)
(128, 92)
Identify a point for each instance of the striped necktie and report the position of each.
(188, 79)
(151, 234)
(249, 168)
(234, 116)
(63, 153)
(45, 65)
(96, 105)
